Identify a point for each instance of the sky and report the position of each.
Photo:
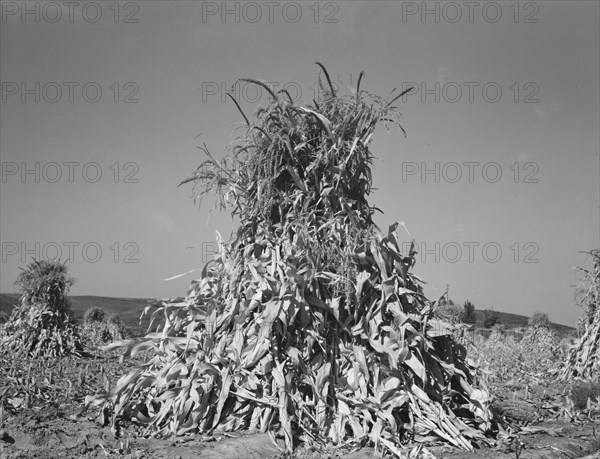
(105, 104)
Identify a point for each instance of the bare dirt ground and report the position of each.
(42, 416)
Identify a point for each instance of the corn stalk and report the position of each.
(583, 359)
(42, 325)
(310, 320)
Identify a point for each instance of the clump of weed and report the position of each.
(581, 391)
(42, 325)
(93, 315)
(99, 329)
(539, 346)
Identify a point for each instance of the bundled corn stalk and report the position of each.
(99, 330)
(583, 359)
(310, 321)
(42, 325)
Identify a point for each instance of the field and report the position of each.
(129, 310)
(308, 336)
(43, 415)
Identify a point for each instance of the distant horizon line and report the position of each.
(181, 296)
(97, 296)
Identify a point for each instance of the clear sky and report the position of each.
(104, 104)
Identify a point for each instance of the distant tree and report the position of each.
(449, 311)
(468, 313)
(539, 319)
(445, 302)
(490, 318)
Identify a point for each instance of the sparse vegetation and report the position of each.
(506, 357)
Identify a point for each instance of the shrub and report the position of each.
(499, 328)
(94, 314)
(564, 345)
(539, 319)
(540, 348)
(449, 312)
(42, 325)
(491, 318)
(468, 313)
(116, 328)
(99, 330)
(581, 391)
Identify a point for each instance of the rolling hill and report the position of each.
(129, 310)
(517, 321)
